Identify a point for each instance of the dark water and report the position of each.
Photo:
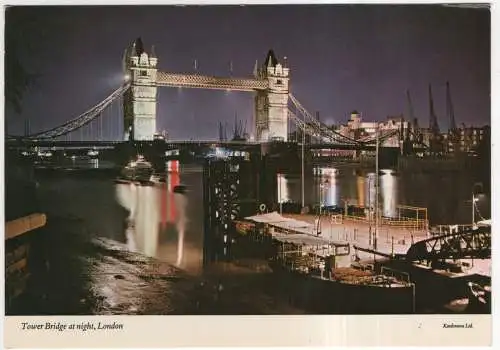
(155, 221)
(152, 220)
(124, 249)
(446, 195)
(165, 229)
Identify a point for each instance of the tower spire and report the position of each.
(271, 60)
(139, 46)
(124, 61)
(133, 52)
(256, 69)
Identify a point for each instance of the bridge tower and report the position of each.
(271, 105)
(140, 100)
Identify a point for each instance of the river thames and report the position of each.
(157, 222)
(123, 248)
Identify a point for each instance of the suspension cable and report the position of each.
(83, 119)
(321, 128)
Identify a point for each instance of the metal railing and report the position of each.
(398, 275)
(404, 223)
(444, 229)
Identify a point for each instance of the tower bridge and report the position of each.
(270, 85)
(135, 106)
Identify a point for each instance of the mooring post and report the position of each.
(392, 245)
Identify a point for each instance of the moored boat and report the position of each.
(138, 170)
(320, 275)
(93, 154)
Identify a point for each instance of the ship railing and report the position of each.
(398, 275)
(439, 230)
(402, 222)
(363, 266)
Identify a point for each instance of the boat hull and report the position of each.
(137, 174)
(324, 296)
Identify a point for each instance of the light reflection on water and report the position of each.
(327, 183)
(333, 187)
(388, 189)
(158, 221)
(370, 190)
(446, 195)
(283, 188)
(169, 226)
(361, 186)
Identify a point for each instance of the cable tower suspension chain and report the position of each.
(326, 133)
(83, 119)
(312, 129)
(323, 131)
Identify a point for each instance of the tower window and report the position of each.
(144, 73)
(279, 82)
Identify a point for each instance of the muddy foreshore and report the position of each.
(75, 272)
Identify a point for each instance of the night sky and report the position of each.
(341, 58)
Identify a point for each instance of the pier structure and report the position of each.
(472, 256)
(393, 240)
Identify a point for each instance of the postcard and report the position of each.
(248, 175)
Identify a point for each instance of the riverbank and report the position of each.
(78, 273)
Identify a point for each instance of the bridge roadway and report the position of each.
(51, 144)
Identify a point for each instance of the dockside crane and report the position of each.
(434, 137)
(453, 133)
(449, 109)
(413, 135)
(433, 123)
(413, 120)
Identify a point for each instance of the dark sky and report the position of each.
(341, 58)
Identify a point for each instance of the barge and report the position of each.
(320, 274)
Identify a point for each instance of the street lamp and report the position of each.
(279, 194)
(369, 208)
(322, 186)
(303, 163)
(474, 200)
